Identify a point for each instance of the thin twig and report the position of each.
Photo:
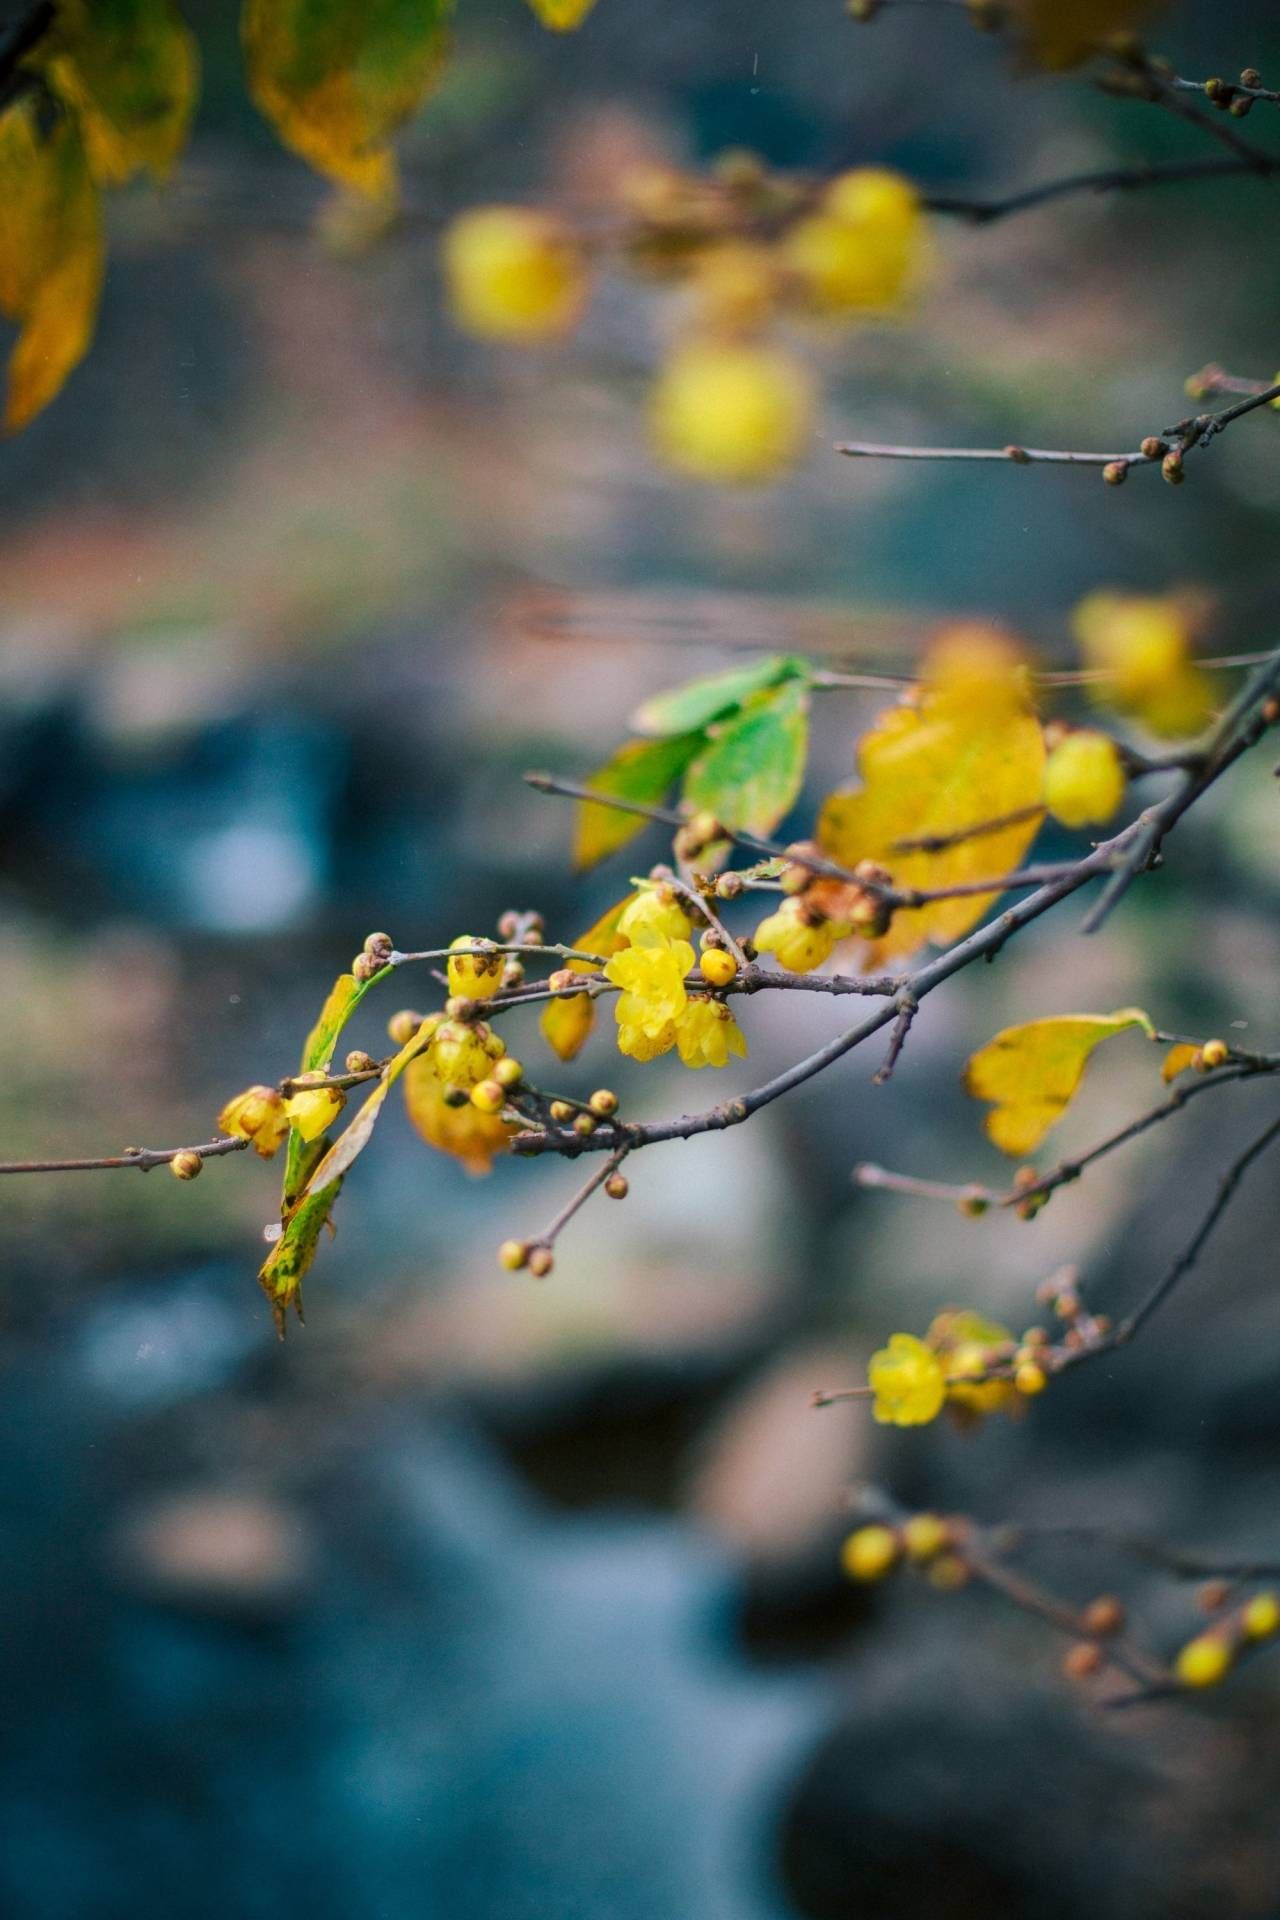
(142, 1159)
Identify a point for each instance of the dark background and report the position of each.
(500, 1600)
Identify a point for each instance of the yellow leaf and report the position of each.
(562, 16)
(51, 254)
(1031, 1072)
(566, 1024)
(338, 77)
(969, 750)
(1061, 33)
(131, 72)
(1178, 1059)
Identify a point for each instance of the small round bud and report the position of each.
(1030, 1378)
(513, 1254)
(508, 925)
(617, 1186)
(1216, 88)
(512, 975)
(1035, 1337)
(1171, 468)
(1104, 1616)
(379, 944)
(358, 1061)
(972, 1203)
(585, 1125)
(1261, 1617)
(1081, 1661)
(948, 1573)
(730, 886)
(1116, 472)
(488, 1096)
(460, 1006)
(365, 965)
(870, 1553)
(603, 1101)
(864, 10)
(717, 967)
(564, 979)
(1019, 456)
(1212, 1054)
(1154, 448)
(507, 1072)
(561, 1111)
(1241, 107)
(402, 1026)
(924, 1537)
(186, 1165)
(1213, 1595)
(540, 1262)
(1204, 1661)
(1250, 77)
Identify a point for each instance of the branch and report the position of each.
(1167, 450)
(142, 1159)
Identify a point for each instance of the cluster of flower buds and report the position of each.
(373, 957)
(1208, 1657)
(927, 1542)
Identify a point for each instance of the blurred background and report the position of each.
(510, 1600)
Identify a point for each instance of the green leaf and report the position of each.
(285, 1267)
(696, 705)
(337, 77)
(130, 69)
(301, 1157)
(752, 770)
(643, 770)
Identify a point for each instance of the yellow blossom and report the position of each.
(476, 976)
(313, 1109)
(655, 910)
(1204, 1661)
(707, 1033)
(462, 1054)
(863, 248)
(651, 974)
(731, 411)
(1084, 779)
(513, 274)
(800, 946)
(257, 1115)
(870, 1553)
(908, 1382)
(1143, 645)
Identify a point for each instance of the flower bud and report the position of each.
(617, 1186)
(402, 1026)
(186, 1165)
(540, 1262)
(513, 1254)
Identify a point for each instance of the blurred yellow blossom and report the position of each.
(908, 1382)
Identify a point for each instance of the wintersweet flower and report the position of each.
(651, 975)
(707, 1033)
(908, 1382)
(789, 933)
(314, 1109)
(652, 913)
(256, 1115)
(474, 974)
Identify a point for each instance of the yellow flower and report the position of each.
(465, 1132)
(731, 411)
(863, 248)
(257, 1115)
(655, 910)
(513, 274)
(707, 1033)
(969, 1345)
(870, 1553)
(312, 1110)
(908, 1382)
(651, 975)
(1084, 779)
(476, 976)
(1144, 647)
(1204, 1661)
(799, 946)
(462, 1054)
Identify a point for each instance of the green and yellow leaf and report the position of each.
(1178, 1059)
(642, 770)
(1030, 1073)
(968, 750)
(51, 254)
(337, 78)
(698, 703)
(752, 769)
(131, 71)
